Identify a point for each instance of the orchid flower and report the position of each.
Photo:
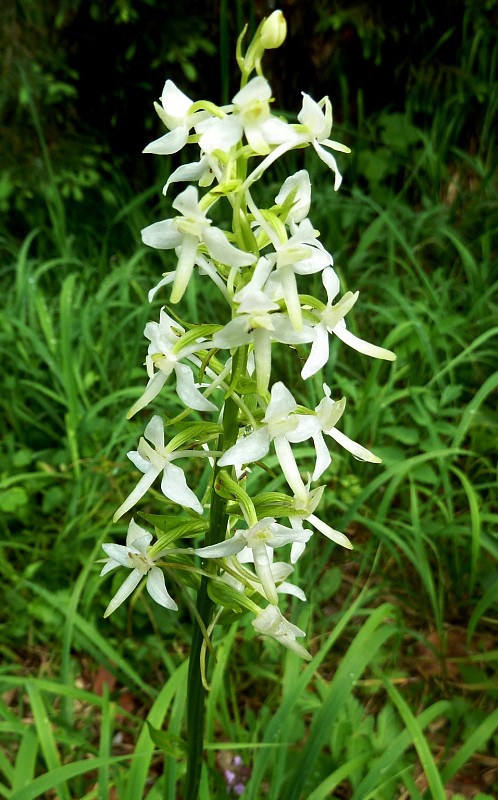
(264, 534)
(271, 622)
(188, 232)
(331, 321)
(279, 425)
(251, 117)
(134, 555)
(164, 355)
(154, 460)
(316, 120)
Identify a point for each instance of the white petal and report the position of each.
(229, 547)
(361, 345)
(154, 432)
(176, 104)
(313, 117)
(331, 163)
(256, 89)
(162, 235)
(219, 134)
(248, 449)
(359, 452)
(117, 553)
(299, 183)
(174, 487)
(187, 391)
(156, 587)
(144, 483)
(234, 334)
(170, 143)
(221, 250)
(124, 591)
(138, 537)
(281, 403)
(319, 354)
(152, 389)
(291, 588)
(138, 461)
(331, 283)
(330, 533)
(184, 267)
(187, 172)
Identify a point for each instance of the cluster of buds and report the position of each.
(223, 372)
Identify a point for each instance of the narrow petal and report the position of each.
(263, 569)
(361, 345)
(331, 163)
(319, 354)
(230, 547)
(117, 553)
(123, 592)
(156, 587)
(330, 533)
(152, 389)
(187, 172)
(185, 266)
(359, 452)
(289, 467)
(138, 492)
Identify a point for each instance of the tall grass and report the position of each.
(400, 697)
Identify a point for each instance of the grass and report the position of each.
(399, 700)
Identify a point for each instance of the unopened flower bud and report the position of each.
(273, 31)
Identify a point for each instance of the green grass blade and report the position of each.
(46, 736)
(475, 741)
(360, 653)
(24, 770)
(429, 766)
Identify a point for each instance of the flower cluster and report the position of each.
(259, 269)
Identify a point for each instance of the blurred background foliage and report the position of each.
(414, 228)
(78, 80)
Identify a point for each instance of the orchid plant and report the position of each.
(223, 371)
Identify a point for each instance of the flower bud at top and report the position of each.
(273, 31)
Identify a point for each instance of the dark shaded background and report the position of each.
(78, 78)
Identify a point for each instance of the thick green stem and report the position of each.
(196, 692)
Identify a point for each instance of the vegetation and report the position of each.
(399, 700)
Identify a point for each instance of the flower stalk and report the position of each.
(234, 415)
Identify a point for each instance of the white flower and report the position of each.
(305, 507)
(317, 121)
(135, 556)
(298, 185)
(188, 232)
(331, 320)
(279, 425)
(258, 321)
(301, 254)
(267, 533)
(250, 116)
(154, 460)
(327, 414)
(164, 355)
(271, 622)
(174, 113)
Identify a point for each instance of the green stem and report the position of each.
(196, 692)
